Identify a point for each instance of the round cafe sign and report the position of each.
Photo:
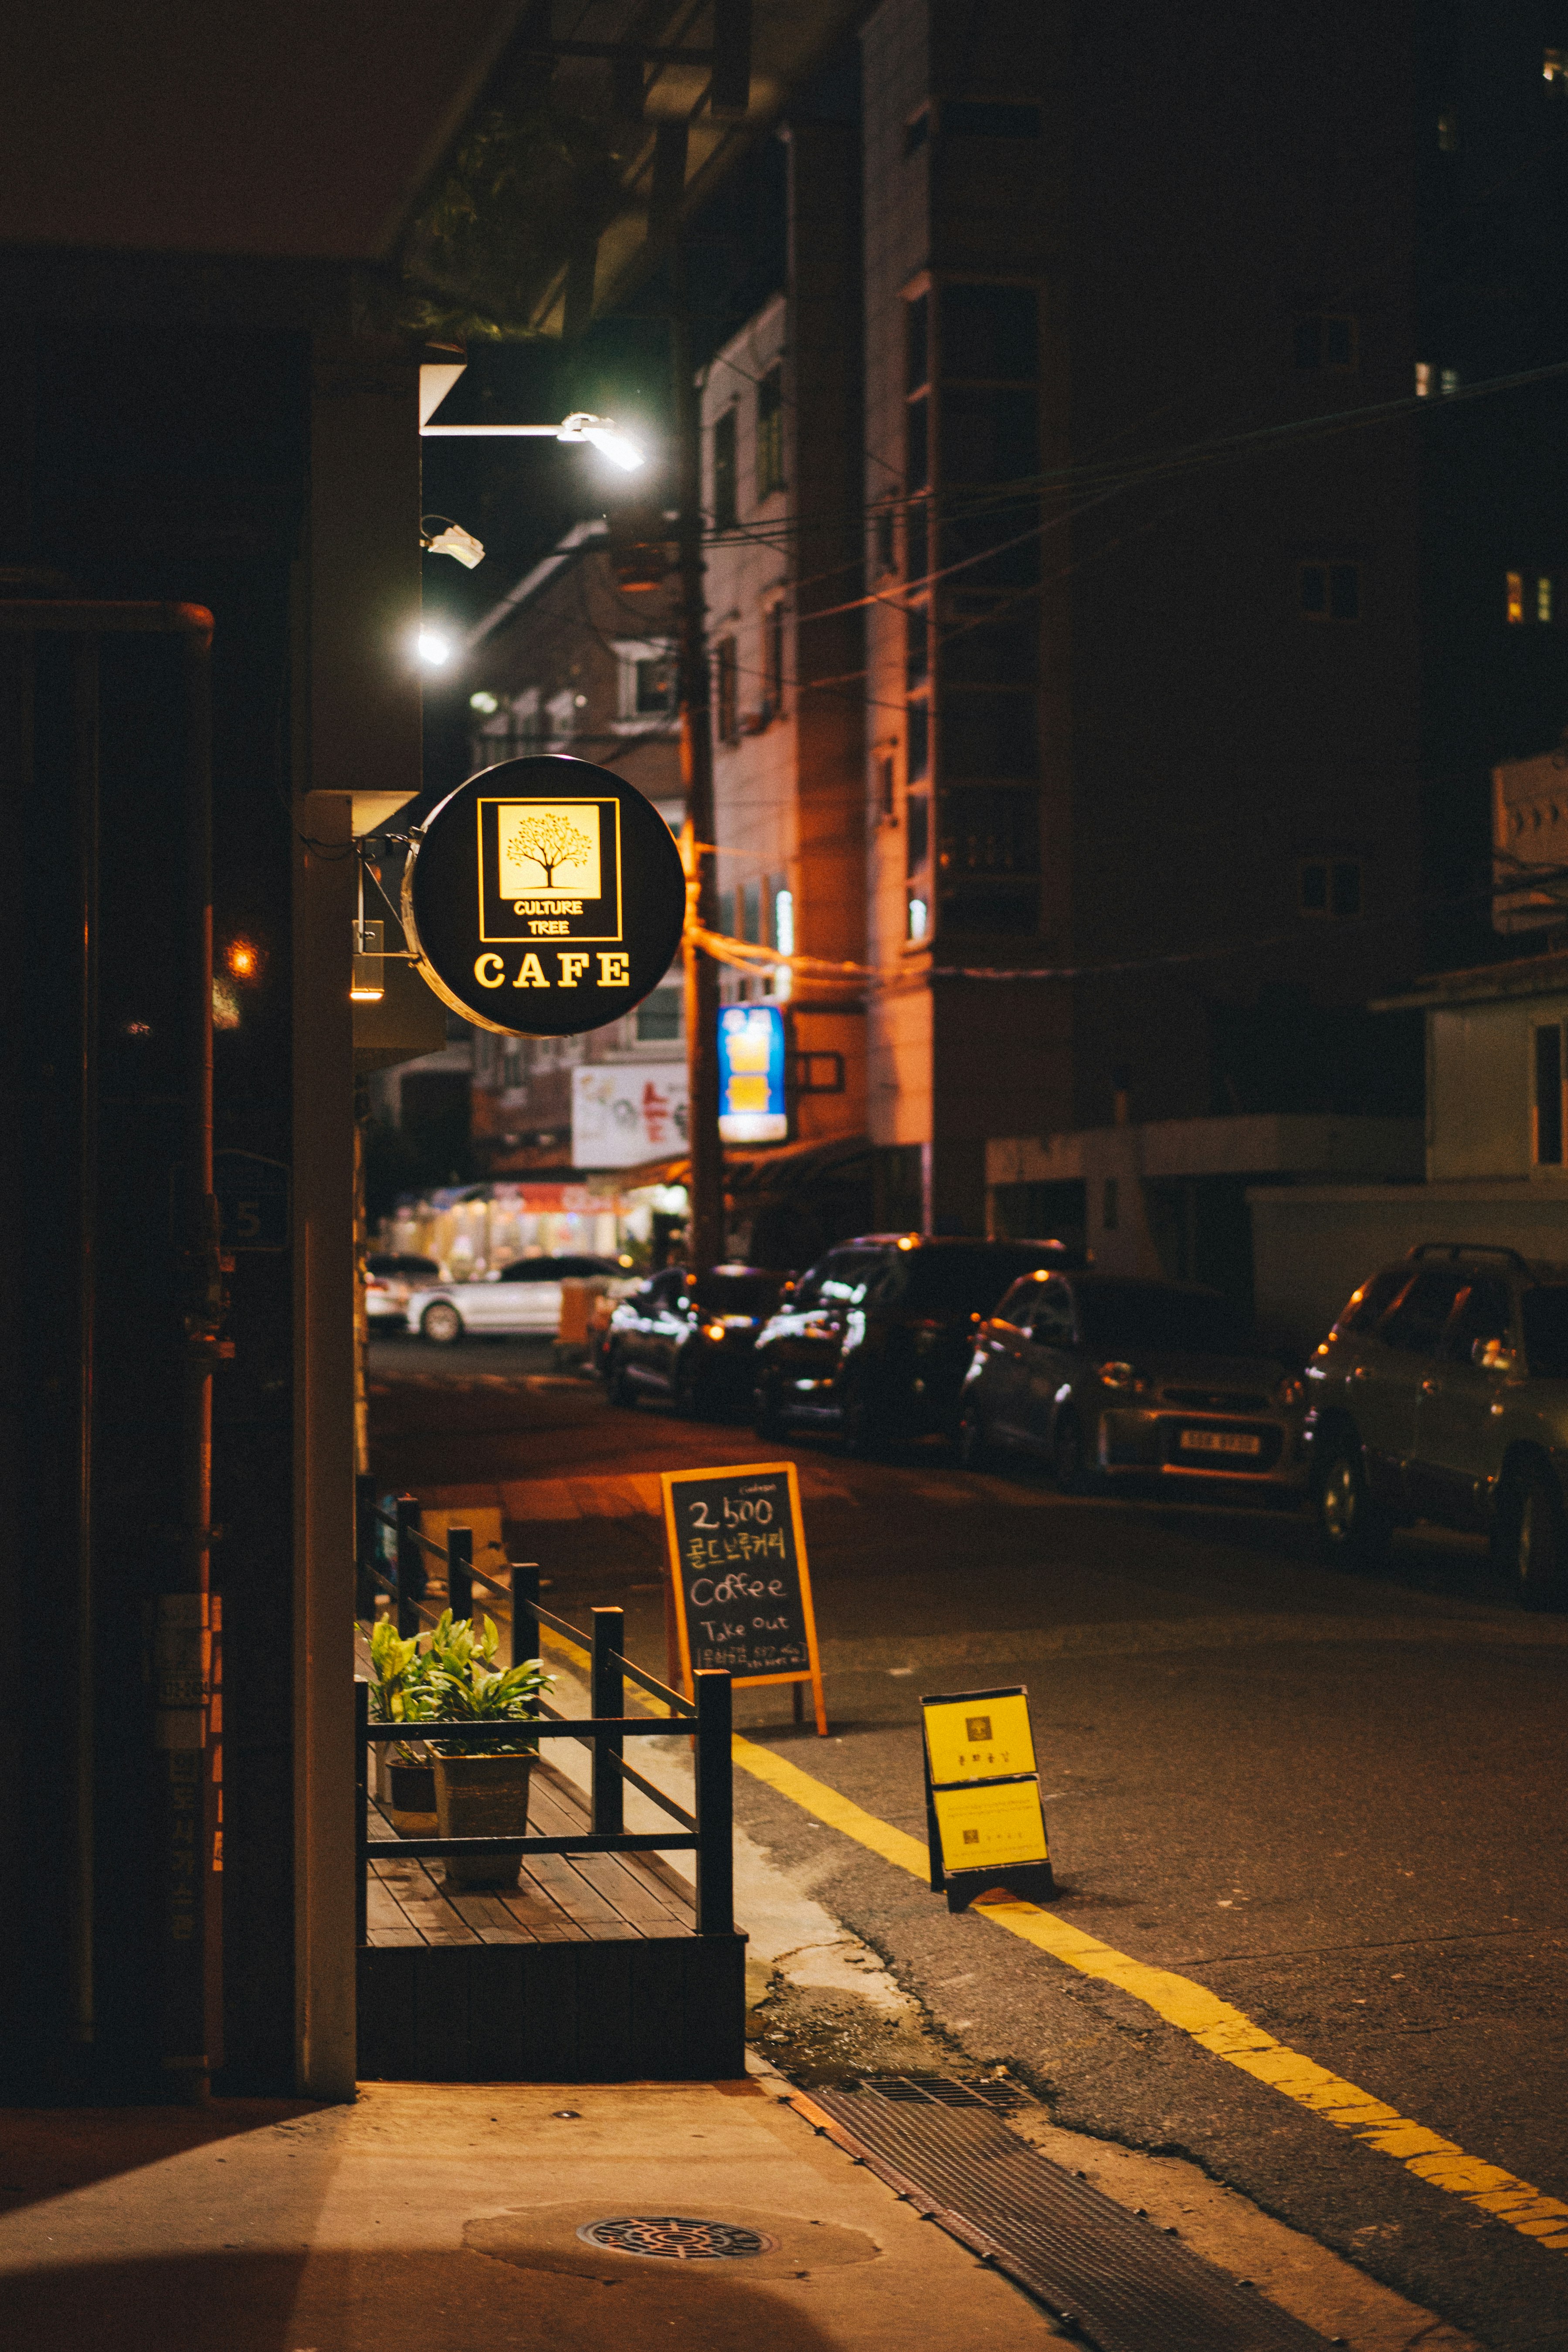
(544, 897)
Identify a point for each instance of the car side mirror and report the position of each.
(1493, 1356)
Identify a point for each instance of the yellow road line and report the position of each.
(1213, 2023)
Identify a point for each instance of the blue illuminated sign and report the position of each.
(752, 1074)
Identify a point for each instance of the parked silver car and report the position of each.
(1442, 1393)
(1109, 1376)
(522, 1296)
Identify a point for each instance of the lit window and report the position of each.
(1330, 591)
(1448, 381)
(1515, 596)
(1544, 599)
(919, 916)
(770, 433)
(1555, 70)
(784, 921)
(1330, 886)
(1423, 379)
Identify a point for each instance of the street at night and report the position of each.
(1333, 1800)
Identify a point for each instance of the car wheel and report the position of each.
(1530, 1543)
(974, 1441)
(441, 1324)
(767, 1418)
(619, 1384)
(1069, 1460)
(1352, 1530)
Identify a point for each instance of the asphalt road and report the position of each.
(1340, 1804)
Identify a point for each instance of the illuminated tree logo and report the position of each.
(547, 839)
(548, 847)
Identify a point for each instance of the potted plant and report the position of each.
(401, 1693)
(480, 1791)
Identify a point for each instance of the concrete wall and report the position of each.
(1480, 1088)
(1312, 1245)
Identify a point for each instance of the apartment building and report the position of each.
(781, 436)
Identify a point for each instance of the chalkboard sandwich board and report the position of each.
(739, 1584)
(984, 1817)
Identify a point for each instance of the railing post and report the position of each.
(410, 1565)
(460, 1571)
(524, 1602)
(607, 1697)
(364, 1546)
(715, 1824)
(362, 1813)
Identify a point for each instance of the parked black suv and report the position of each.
(876, 1339)
(1442, 1393)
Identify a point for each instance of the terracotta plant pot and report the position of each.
(482, 1796)
(410, 1798)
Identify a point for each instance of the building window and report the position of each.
(917, 444)
(1547, 1120)
(645, 678)
(917, 644)
(752, 913)
(1448, 381)
(988, 854)
(726, 513)
(773, 659)
(770, 433)
(658, 1017)
(887, 790)
(917, 542)
(917, 344)
(918, 132)
(1423, 379)
(887, 555)
(1555, 71)
(917, 761)
(989, 334)
(918, 840)
(919, 919)
(784, 921)
(727, 695)
(1326, 339)
(1330, 591)
(1330, 886)
(725, 903)
(1529, 596)
(975, 118)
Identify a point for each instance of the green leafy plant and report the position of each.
(401, 1690)
(467, 1686)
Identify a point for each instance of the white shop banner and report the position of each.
(627, 1113)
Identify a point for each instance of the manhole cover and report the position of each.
(676, 2239)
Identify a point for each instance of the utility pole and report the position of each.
(705, 1231)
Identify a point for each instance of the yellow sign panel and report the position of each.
(979, 1739)
(986, 1829)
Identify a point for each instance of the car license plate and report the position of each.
(1218, 1441)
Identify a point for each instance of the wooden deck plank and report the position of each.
(579, 1899)
(633, 1898)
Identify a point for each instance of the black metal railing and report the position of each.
(708, 1834)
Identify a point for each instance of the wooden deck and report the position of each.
(561, 1899)
(590, 1972)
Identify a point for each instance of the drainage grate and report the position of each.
(673, 2238)
(1119, 2283)
(944, 2091)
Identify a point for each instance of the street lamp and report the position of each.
(603, 432)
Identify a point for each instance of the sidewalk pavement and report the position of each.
(445, 2218)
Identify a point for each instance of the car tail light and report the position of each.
(1118, 1375)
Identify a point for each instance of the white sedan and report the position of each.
(522, 1296)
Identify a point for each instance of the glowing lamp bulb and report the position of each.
(434, 648)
